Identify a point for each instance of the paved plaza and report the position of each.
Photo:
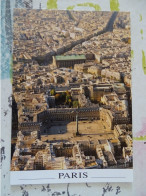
(89, 130)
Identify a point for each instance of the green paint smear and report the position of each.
(70, 7)
(114, 5)
(52, 4)
(140, 17)
(132, 54)
(141, 31)
(144, 62)
(141, 138)
(95, 6)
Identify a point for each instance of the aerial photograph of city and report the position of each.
(71, 101)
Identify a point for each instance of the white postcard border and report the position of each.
(70, 176)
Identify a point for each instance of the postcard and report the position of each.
(71, 100)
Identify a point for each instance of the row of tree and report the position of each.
(64, 98)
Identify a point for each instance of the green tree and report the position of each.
(70, 102)
(52, 92)
(67, 93)
(67, 98)
(75, 104)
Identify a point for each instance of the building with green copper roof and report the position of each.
(68, 60)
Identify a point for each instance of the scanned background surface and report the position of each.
(138, 46)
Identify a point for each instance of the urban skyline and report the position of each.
(71, 90)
